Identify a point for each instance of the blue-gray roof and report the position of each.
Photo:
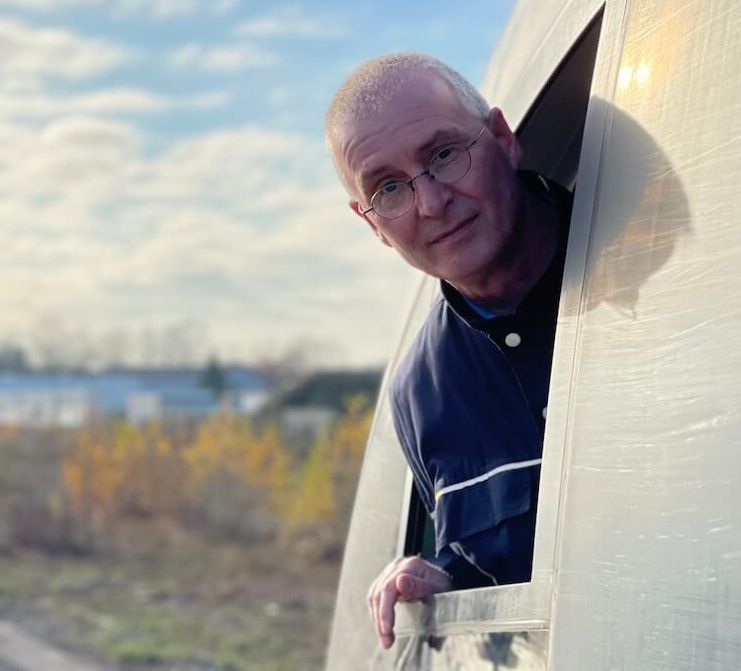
(109, 389)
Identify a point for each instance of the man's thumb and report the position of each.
(412, 588)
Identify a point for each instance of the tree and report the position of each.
(214, 378)
(13, 359)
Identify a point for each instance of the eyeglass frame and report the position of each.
(410, 182)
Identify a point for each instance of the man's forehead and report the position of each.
(422, 145)
(423, 105)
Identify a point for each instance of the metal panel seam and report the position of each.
(611, 77)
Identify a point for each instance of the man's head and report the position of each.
(399, 116)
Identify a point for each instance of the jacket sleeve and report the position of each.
(463, 574)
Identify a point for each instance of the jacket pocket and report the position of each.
(471, 506)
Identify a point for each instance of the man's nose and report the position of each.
(430, 196)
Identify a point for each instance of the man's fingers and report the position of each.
(387, 601)
(373, 604)
(411, 588)
(405, 579)
(373, 593)
(375, 596)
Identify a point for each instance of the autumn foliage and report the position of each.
(123, 470)
(224, 474)
(326, 481)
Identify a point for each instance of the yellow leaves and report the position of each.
(347, 442)
(229, 446)
(326, 482)
(92, 476)
(122, 469)
(125, 469)
(312, 500)
(218, 448)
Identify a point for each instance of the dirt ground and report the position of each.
(195, 606)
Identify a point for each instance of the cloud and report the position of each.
(33, 60)
(241, 168)
(223, 58)
(155, 8)
(30, 55)
(35, 104)
(244, 229)
(46, 5)
(224, 6)
(158, 9)
(289, 23)
(165, 9)
(78, 160)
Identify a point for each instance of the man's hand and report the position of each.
(404, 579)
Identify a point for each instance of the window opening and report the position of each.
(550, 136)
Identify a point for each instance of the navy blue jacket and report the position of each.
(469, 405)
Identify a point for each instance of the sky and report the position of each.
(165, 191)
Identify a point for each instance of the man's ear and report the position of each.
(505, 137)
(355, 207)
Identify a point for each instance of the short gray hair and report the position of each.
(371, 86)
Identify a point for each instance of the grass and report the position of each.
(131, 593)
(223, 607)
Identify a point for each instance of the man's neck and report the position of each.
(525, 262)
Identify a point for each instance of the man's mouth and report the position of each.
(452, 231)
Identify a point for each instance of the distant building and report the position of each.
(306, 411)
(70, 399)
(308, 421)
(64, 404)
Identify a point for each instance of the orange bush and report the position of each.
(123, 470)
(227, 445)
(228, 474)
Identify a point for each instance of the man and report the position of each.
(435, 174)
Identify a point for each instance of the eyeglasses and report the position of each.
(447, 165)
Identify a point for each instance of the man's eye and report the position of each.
(390, 187)
(444, 153)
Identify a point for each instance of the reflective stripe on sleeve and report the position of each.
(512, 466)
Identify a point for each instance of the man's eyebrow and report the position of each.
(367, 179)
(439, 137)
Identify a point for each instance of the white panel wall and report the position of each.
(650, 536)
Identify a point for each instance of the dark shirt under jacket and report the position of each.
(469, 405)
